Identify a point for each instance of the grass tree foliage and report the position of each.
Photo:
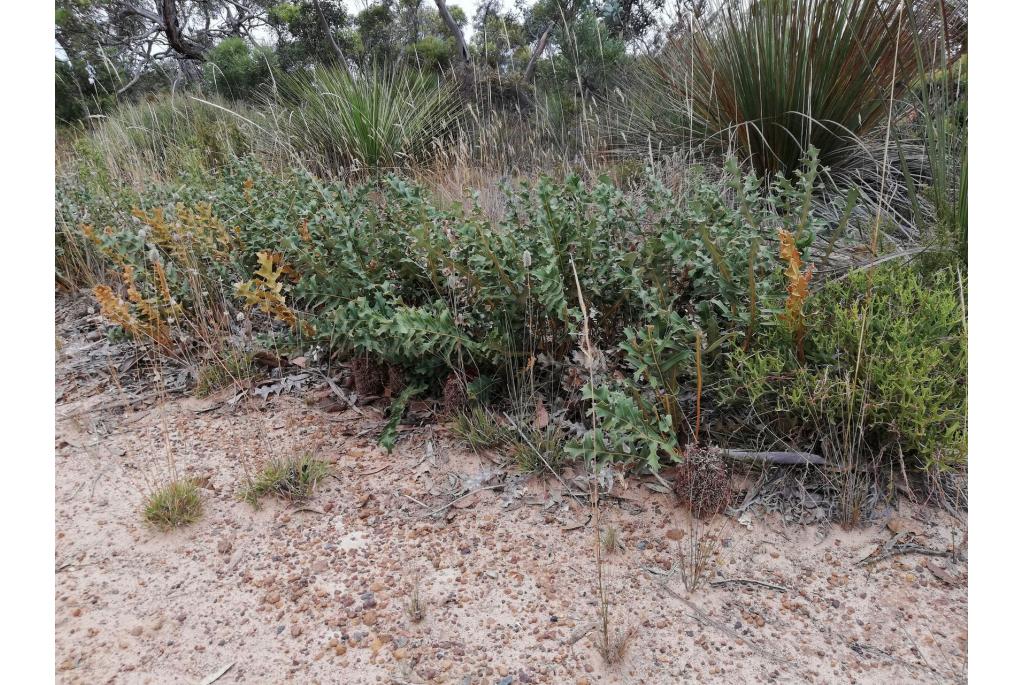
(776, 76)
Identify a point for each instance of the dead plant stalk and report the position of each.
(594, 493)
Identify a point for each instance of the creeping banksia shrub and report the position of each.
(368, 376)
(702, 483)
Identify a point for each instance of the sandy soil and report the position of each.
(506, 575)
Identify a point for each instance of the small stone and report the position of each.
(224, 546)
(296, 630)
(136, 631)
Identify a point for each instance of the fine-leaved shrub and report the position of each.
(886, 357)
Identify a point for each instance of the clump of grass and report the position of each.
(480, 428)
(697, 557)
(290, 479)
(535, 449)
(176, 504)
(230, 367)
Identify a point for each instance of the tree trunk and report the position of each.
(542, 43)
(460, 40)
(330, 35)
(178, 42)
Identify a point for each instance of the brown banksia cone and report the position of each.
(396, 381)
(455, 399)
(703, 483)
(368, 376)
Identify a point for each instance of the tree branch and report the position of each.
(542, 43)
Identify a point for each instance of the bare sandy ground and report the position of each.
(506, 575)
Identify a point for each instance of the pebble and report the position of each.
(224, 546)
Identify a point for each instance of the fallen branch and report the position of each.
(787, 458)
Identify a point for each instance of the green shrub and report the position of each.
(898, 381)
(382, 271)
(237, 70)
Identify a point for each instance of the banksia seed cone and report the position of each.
(455, 398)
(368, 376)
(702, 483)
(396, 381)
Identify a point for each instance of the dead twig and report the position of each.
(339, 392)
(579, 634)
(311, 510)
(462, 497)
(702, 617)
(410, 497)
(749, 581)
(897, 550)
